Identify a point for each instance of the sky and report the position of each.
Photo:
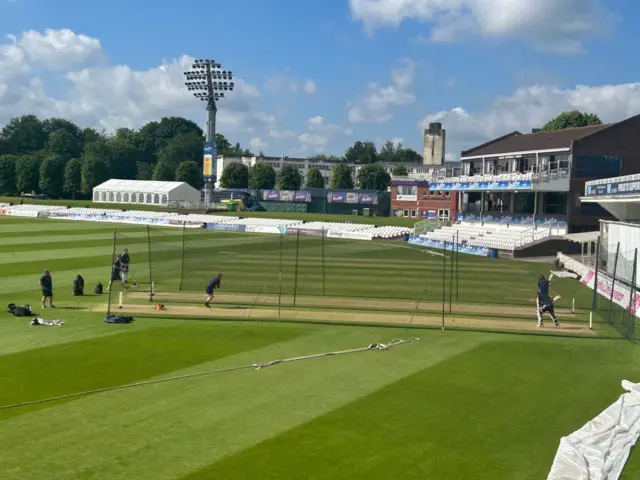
(314, 77)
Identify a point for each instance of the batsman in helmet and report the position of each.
(544, 301)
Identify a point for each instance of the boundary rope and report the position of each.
(256, 366)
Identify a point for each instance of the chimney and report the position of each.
(535, 130)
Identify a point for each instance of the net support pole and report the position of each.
(613, 283)
(184, 235)
(632, 293)
(323, 287)
(594, 300)
(113, 257)
(453, 240)
(280, 278)
(457, 265)
(444, 271)
(295, 278)
(150, 269)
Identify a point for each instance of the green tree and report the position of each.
(389, 152)
(361, 153)
(154, 136)
(94, 172)
(63, 144)
(373, 177)
(52, 176)
(27, 173)
(72, 177)
(235, 175)
(571, 119)
(181, 148)
(408, 155)
(54, 124)
(289, 178)
(262, 176)
(123, 156)
(24, 135)
(144, 171)
(341, 177)
(324, 158)
(164, 172)
(8, 175)
(223, 147)
(190, 172)
(399, 171)
(314, 179)
(90, 135)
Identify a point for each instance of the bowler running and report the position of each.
(213, 284)
(544, 301)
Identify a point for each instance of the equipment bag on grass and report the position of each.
(118, 319)
(98, 289)
(78, 286)
(19, 310)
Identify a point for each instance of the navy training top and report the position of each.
(214, 283)
(543, 287)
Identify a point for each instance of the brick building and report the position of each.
(413, 198)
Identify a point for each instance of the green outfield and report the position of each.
(458, 403)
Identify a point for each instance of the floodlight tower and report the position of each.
(208, 83)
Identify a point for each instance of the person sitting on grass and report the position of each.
(213, 283)
(116, 272)
(46, 284)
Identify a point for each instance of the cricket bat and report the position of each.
(556, 298)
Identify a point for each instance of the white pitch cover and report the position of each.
(600, 449)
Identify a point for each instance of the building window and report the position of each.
(405, 213)
(596, 166)
(125, 198)
(118, 197)
(555, 203)
(111, 197)
(413, 213)
(141, 198)
(447, 194)
(96, 196)
(104, 196)
(443, 214)
(164, 200)
(134, 197)
(563, 162)
(156, 198)
(149, 198)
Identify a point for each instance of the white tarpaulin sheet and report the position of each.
(599, 450)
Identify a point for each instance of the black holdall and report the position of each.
(98, 289)
(118, 319)
(19, 310)
(78, 286)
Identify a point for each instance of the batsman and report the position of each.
(544, 301)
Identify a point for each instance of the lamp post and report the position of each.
(208, 83)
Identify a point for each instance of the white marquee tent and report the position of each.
(145, 192)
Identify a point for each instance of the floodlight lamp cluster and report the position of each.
(207, 81)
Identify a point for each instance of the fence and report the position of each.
(615, 298)
(315, 274)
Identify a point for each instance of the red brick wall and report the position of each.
(426, 201)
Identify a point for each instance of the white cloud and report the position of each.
(397, 141)
(110, 97)
(58, 49)
(549, 24)
(281, 134)
(531, 107)
(319, 134)
(257, 144)
(376, 104)
(287, 83)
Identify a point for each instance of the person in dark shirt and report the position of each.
(116, 271)
(545, 303)
(125, 260)
(46, 284)
(213, 284)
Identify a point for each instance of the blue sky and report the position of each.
(381, 69)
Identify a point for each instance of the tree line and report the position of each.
(58, 158)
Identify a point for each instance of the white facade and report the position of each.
(302, 164)
(145, 192)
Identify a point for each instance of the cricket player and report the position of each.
(545, 303)
(116, 271)
(46, 284)
(213, 284)
(124, 267)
